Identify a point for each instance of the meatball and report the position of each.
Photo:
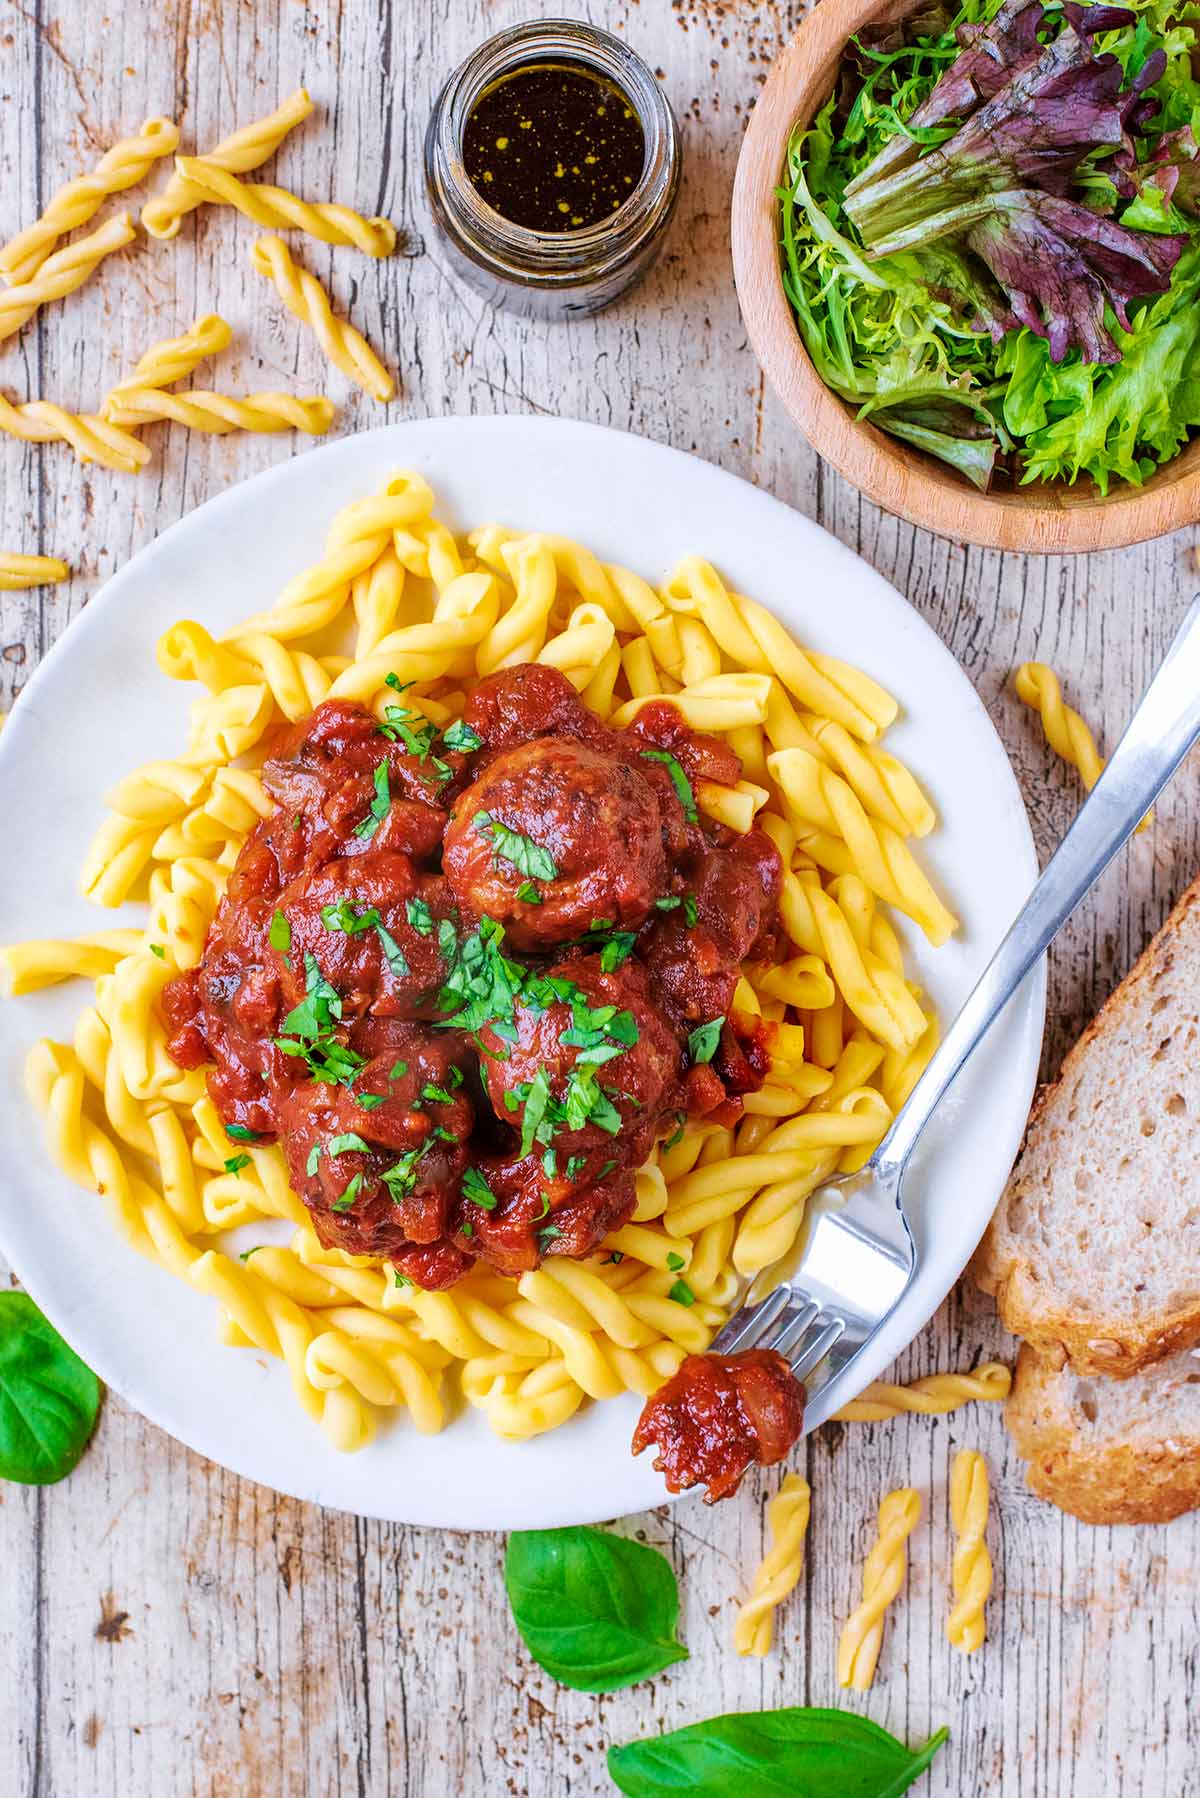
(718, 1415)
(536, 1213)
(370, 923)
(694, 964)
(593, 1062)
(378, 1161)
(553, 837)
(528, 701)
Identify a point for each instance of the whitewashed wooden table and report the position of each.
(167, 1629)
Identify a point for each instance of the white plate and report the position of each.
(98, 706)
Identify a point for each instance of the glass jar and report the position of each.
(552, 274)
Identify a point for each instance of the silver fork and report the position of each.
(858, 1256)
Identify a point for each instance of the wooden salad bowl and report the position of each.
(1052, 517)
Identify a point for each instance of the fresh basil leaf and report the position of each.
(157, 949)
(679, 780)
(766, 1754)
(682, 1293)
(702, 1043)
(393, 954)
(280, 934)
(235, 1163)
(349, 1195)
(419, 916)
(596, 1611)
(48, 1397)
(239, 1133)
(348, 1142)
(380, 804)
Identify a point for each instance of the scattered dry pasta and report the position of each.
(780, 1568)
(172, 360)
(218, 413)
(18, 571)
(279, 210)
(1066, 732)
(63, 272)
(932, 1395)
(307, 300)
(246, 149)
(121, 167)
(883, 1576)
(972, 1570)
(93, 438)
(397, 594)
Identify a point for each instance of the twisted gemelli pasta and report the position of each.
(18, 571)
(780, 1568)
(280, 210)
(396, 594)
(121, 167)
(218, 413)
(307, 300)
(173, 359)
(972, 1572)
(932, 1395)
(93, 438)
(63, 272)
(246, 149)
(883, 1576)
(1067, 734)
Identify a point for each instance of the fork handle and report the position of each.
(1164, 727)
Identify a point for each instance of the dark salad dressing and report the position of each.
(554, 147)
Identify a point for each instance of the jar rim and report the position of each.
(557, 256)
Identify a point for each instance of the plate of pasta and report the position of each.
(467, 904)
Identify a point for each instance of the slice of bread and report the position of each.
(1110, 1451)
(1094, 1251)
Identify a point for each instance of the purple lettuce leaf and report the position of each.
(1061, 264)
(1174, 168)
(1034, 132)
(992, 53)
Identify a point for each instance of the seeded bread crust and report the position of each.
(1110, 1451)
(1093, 1254)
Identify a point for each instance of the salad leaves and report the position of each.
(991, 235)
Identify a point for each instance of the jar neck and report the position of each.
(552, 257)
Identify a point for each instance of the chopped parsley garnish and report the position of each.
(314, 1156)
(675, 1263)
(157, 949)
(476, 1188)
(311, 1026)
(393, 953)
(682, 1293)
(691, 911)
(605, 1170)
(454, 1078)
(615, 1259)
(536, 1095)
(459, 736)
(419, 916)
(401, 1280)
(401, 1177)
(397, 1070)
(348, 1140)
(528, 894)
(349, 1195)
(617, 950)
(482, 984)
(670, 902)
(527, 857)
(467, 1229)
(574, 1167)
(239, 1133)
(677, 1134)
(367, 1101)
(341, 915)
(436, 1094)
(547, 1236)
(550, 1164)
(380, 805)
(402, 725)
(702, 1043)
(246, 1253)
(280, 934)
(236, 1163)
(679, 780)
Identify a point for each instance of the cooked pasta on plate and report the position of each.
(517, 948)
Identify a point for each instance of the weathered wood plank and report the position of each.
(269, 1647)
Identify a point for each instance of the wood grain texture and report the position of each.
(168, 1631)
